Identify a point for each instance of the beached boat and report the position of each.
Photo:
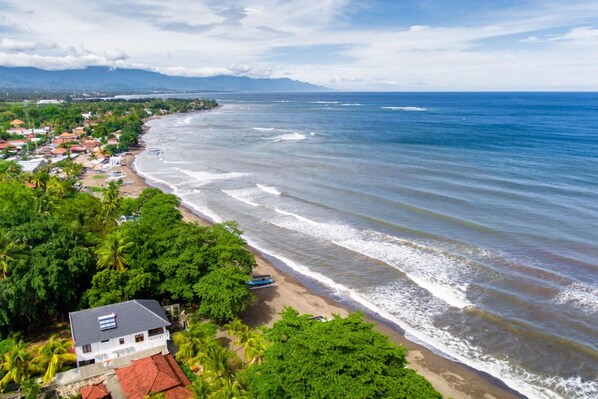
(260, 281)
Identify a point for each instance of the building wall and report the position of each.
(111, 349)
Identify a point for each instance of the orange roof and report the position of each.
(94, 391)
(69, 135)
(155, 374)
(59, 151)
(17, 122)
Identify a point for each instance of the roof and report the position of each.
(154, 374)
(94, 391)
(17, 122)
(131, 317)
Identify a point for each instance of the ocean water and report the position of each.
(467, 219)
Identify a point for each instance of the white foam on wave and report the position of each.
(406, 308)
(264, 129)
(405, 108)
(437, 273)
(351, 105)
(268, 189)
(323, 102)
(203, 178)
(243, 195)
(289, 137)
(581, 296)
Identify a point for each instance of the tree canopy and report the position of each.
(340, 358)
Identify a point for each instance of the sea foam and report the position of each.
(268, 189)
(439, 274)
(405, 108)
(581, 296)
(203, 178)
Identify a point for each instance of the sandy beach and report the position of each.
(450, 378)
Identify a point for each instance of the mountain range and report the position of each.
(106, 79)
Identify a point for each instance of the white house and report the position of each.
(111, 331)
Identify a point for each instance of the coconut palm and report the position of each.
(255, 348)
(9, 251)
(113, 253)
(197, 338)
(111, 200)
(52, 356)
(16, 365)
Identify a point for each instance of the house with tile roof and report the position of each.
(108, 332)
(95, 391)
(155, 374)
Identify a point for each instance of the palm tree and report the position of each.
(250, 340)
(9, 251)
(113, 253)
(16, 365)
(198, 337)
(52, 356)
(255, 348)
(111, 200)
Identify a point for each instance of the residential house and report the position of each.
(59, 151)
(17, 123)
(155, 374)
(72, 136)
(111, 331)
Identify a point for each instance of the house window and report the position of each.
(87, 348)
(139, 338)
(86, 362)
(121, 341)
(155, 331)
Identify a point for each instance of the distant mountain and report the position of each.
(105, 79)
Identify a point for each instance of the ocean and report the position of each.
(469, 220)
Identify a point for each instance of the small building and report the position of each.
(111, 331)
(17, 123)
(58, 151)
(155, 374)
(32, 165)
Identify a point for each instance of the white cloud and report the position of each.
(205, 38)
(585, 34)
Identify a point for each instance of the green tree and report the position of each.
(223, 293)
(9, 251)
(16, 365)
(52, 357)
(196, 338)
(113, 253)
(111, 200)
(341, 358)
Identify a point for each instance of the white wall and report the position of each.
(102, 351)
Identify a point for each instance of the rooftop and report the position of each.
(129, 317)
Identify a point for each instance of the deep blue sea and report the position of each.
(470, 220)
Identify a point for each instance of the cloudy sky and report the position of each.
(344, 44)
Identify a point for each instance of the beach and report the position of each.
(450, 378)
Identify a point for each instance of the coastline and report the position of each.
(450, 378)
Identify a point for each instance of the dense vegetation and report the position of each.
(298, 357)
(61, 249)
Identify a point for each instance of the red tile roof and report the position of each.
(155, 374)
(94, 391)
(59, 151)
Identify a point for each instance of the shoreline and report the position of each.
(450, 378)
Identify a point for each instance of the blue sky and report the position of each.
(344, 44)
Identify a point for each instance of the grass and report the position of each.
(98, 177)
(96, 189)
